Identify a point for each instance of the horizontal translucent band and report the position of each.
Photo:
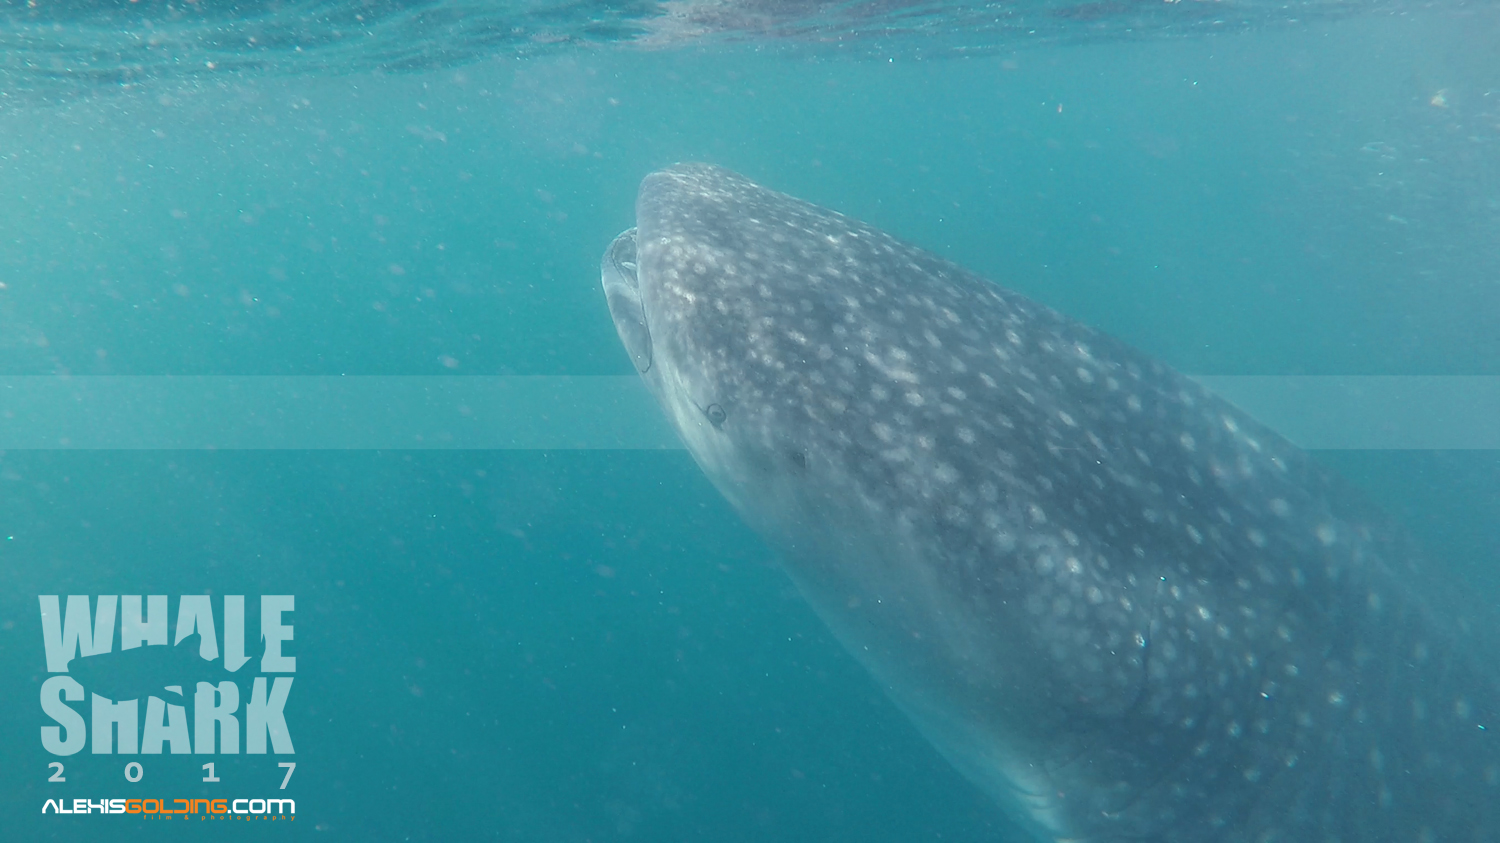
(1371, 412)
(228, 412)
(612, 413)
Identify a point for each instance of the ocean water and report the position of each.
(586, 644)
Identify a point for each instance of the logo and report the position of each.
(148, 698)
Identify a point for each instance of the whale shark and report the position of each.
(139, 672)
(1115, 602)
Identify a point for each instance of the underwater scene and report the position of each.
(750, 420)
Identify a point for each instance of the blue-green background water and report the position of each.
(589, 645)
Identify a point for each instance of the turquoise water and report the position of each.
(588, 645)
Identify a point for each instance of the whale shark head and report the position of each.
(827, 378)
(709, 310)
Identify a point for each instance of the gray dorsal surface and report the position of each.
(1116, 603)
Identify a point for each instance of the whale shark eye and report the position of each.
(716, 414)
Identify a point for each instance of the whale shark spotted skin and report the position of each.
(1115, 602)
